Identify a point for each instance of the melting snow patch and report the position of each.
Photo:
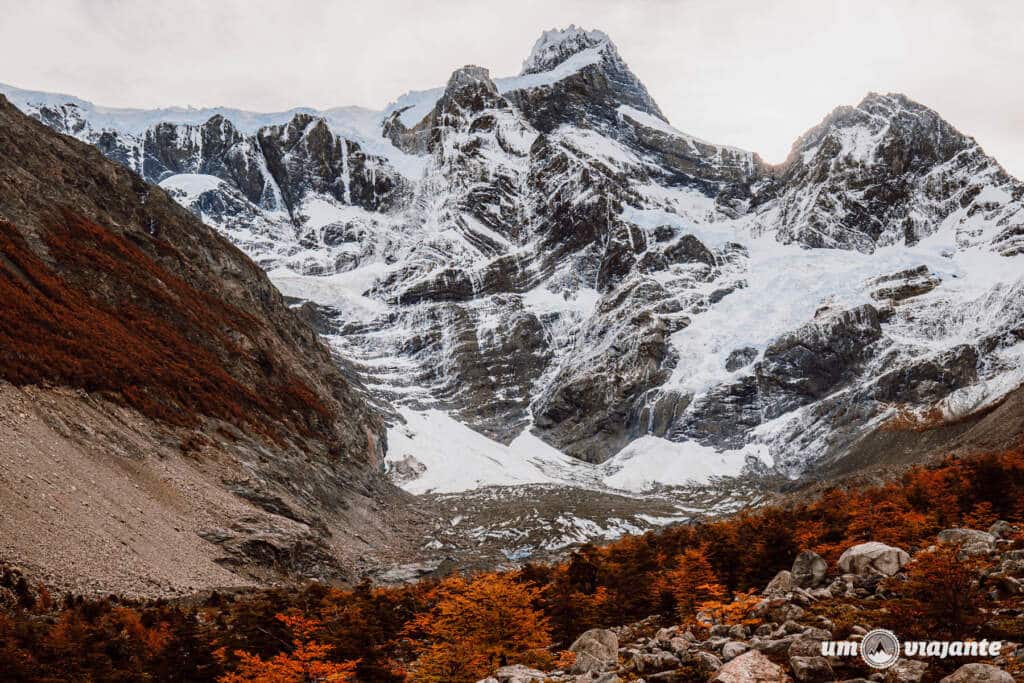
(651, 461)
(459, 459)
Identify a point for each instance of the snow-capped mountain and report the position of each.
(548, 283)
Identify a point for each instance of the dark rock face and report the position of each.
(797, 369)
(275, 168)
(306, 157)
(811, 362)
(928, 380)
(594, 407)
(740, 358)
(904, 284)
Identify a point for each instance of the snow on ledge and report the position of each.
(570, 66)
(192, 184)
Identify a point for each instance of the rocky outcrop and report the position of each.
(891, 170)
(784, 635)
(587, 97)
(809, 569)
(903, 285)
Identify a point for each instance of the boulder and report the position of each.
(751, 667)
(517, 673)
(815, 633)
(1002, 529)
(976, 672)
(809, 569)
(654, 662)
(780, 585)
(733, 649)
(873, 557)
(906, 671)
(976, 549)
(785, 611)
(679, 646)
(739, 632)
(811, 669)
(773, 646)
(596, 650)
(965, 537)
(805, 647)
(708, 662)
(790, 627)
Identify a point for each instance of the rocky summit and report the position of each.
(539, 281)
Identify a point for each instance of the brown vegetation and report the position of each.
(117, 323)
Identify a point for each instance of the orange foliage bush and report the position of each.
(306, 663)
(690, 583)
(718, 610)
(476, 626)
(941, 596)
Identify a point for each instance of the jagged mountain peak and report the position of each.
(470, 73)
(891, 170)
(577, 77)
(556, 45)
(471, 87)
(565, 258)
(876, 129)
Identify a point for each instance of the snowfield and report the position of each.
(456, 458)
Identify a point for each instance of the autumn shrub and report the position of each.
(477, 625)
(688, 584)
(719, 609)
(307, 661)
(940, 597)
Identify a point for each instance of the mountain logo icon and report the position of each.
(880, 649)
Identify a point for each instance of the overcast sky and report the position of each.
(753, 74)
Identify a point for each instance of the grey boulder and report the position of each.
(976, 672)
(809, 569)
(596, 650)
(866, 559)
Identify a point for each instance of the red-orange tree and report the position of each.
(941, 596)
(308, 662)
(476, 626)
(691, 582)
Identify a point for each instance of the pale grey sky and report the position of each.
(753, 74)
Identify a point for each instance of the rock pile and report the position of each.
(781, 639)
